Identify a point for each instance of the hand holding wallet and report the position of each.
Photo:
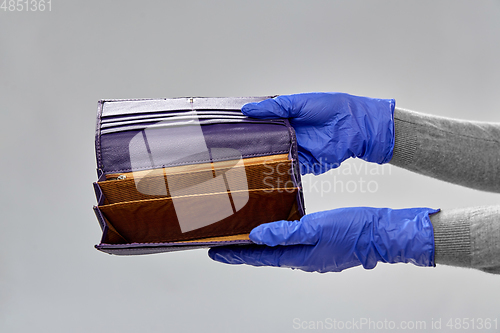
(332, 127)
(334, 240)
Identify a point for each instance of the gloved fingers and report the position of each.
(306, 108)
(256, 255)
(285, 233)
(266, 109)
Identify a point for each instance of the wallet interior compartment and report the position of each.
(118, 116)
(265, 172)
(169, 119)
(159, 220)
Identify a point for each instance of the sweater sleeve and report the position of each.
(464, 153)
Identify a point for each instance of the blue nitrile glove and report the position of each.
(338, 239)
(332, 127)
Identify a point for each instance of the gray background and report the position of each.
(438, 57)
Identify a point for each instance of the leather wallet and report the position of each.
(184, 173)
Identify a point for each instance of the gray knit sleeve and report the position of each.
(468, 237)
(464, 153)
(460, 152)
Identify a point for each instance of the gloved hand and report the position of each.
(332, 127)
(338, 239)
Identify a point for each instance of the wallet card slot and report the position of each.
(175, 120)
(198, 179)
(182, 121)
(166, 114)
(125, 107)
(159, 220)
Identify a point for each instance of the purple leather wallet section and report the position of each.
(116, 148)
(222, 123)
(120, 122)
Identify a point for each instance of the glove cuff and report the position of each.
(405, 235)
(415, 240)
(379, 131)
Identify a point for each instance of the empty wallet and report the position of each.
(184, 173)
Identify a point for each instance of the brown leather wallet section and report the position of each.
(140, 208)
(260, 174)
(155, 220)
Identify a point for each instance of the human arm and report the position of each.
(464, 153)
(461, 152)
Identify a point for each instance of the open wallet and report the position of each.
(184, 173)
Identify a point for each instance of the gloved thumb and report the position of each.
(268, 109)
(284, 233)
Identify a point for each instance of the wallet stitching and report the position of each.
(295, 157)
(98, 134)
